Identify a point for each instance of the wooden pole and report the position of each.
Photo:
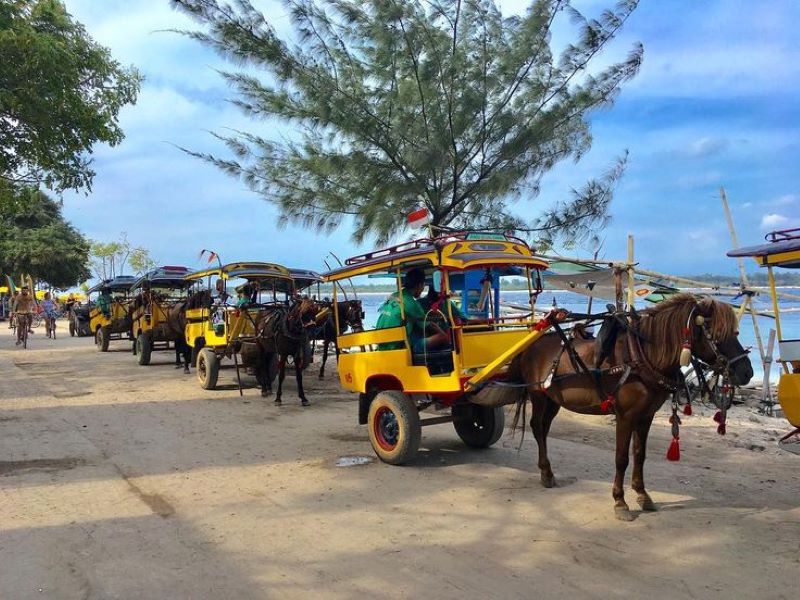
(766, 392)
(631, 295)
(743, 273)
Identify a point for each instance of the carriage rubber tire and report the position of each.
(101, 338)
(394, 426)
(143, 349)
(207, 369)
(198, 346)
(479, 426)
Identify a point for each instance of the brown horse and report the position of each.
(284, 332)
(176, 322)
(351, 316)
(650, 346)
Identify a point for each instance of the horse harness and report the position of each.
(634, 360)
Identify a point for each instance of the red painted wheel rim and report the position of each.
(386, 429)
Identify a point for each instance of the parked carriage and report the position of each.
(782, 250)
(157, 311)
(215, 329)
(113, 324)
(394, 371)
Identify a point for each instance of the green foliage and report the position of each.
(60, 93)
(140, 260)
(36, 240)
(399, 103)
(109, 259)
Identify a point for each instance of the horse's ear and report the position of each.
(705, 307)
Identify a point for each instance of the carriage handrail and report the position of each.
(783, 235)
(424, 243)
(373, 336)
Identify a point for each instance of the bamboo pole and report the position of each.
(631, 295)
(743, 273)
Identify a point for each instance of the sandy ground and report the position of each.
(120, 481)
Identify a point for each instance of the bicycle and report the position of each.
(50, 326)
(25, 324)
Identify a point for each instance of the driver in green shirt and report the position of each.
(104, 302)
(421, 334)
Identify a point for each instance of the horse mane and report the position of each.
(662, 326)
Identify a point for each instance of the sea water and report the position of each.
(790, 321)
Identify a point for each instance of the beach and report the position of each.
(121, 481)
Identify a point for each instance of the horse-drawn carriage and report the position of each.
(79, 320)
(109, 315)
(157, 311)
(782, 250)
(216, 329)
(400, 368)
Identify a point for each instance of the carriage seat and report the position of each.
(439, 362)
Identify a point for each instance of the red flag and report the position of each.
(419, 218)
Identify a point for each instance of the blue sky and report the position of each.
(715, 104)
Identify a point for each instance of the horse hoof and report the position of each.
(305, 402)
(186, 371)
(178, 366)
(266, 393)
(548, 481)
(646, 503)
(277, 401)
(623, 513)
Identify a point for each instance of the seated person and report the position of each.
(422, 333)
(104, 302)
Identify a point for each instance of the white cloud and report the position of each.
(773, 220)
(707, 146)
(788, 200)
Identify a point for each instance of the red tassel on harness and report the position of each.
(718, 417)
(687, 410)
(607, 405)
(722, 429)
(674, 450)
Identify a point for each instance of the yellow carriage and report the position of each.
(215, 325)
(157, 318)
(109, 312)
(399, 370)
(782, 250)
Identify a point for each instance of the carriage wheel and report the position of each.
(207, 369)
(479, 426)
(394, 427)
(198, 346)
(101, 338)
(143, 349)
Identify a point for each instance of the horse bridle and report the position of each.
(722, 364)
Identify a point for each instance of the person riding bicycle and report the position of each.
(50, 310)
(23, 310)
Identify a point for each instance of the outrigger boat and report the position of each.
(397, 377)
(782, 250)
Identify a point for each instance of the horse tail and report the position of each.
(517, 393)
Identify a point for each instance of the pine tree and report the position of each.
(401, 103)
